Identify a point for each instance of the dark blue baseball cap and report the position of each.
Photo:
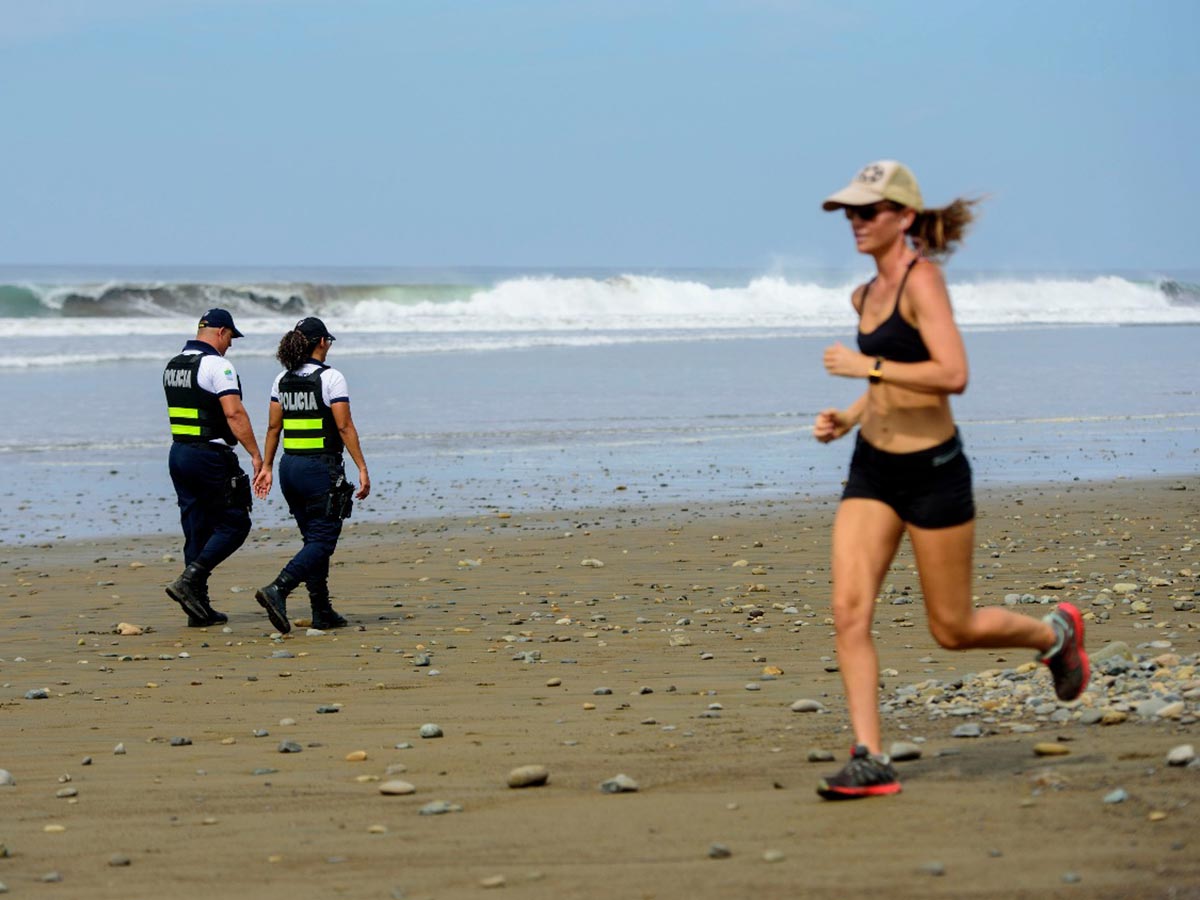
(313, 329)
(219, 318)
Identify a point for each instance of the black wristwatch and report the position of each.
(876, 374)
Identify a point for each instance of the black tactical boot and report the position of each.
(214, 617)
(190, 590)
(324, 616)
(273, 598)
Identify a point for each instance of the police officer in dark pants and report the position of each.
(310, 407)
(204, 402)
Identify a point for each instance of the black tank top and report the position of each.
(894, 338)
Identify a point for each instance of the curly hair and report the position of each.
(295, 349)
(937, 232)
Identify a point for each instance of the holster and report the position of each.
(237, 492)
(339, 502)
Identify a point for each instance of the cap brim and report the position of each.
(851, 195)
(236, 333)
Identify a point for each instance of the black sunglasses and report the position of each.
(868, 213)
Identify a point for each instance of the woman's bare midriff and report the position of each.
(898, 420)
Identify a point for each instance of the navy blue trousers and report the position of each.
(305, 481)
(212, 530)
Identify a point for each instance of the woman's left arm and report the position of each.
(946, 370)
(349, 434)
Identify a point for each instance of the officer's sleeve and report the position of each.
(218, 376)
(334, 388)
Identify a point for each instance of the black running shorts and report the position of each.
(930, 488)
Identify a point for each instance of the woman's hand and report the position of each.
(841, 360)
(831, 424)
(262, 482)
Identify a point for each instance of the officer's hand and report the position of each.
(364, 485)
(262, 483)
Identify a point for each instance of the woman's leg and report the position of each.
(944, 563)
(866, 534)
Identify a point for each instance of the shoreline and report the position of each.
(779, 500)
(676, 663)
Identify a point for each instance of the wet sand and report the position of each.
(691, 608)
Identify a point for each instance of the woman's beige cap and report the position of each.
(882, 180)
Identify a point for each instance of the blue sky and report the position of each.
(605, 133)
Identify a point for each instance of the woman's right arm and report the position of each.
(262, 483)
(834, 423)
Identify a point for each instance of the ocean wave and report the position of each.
(548, 304)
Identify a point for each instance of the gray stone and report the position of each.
(619, 784)
(37, 694)
(903, 751)
(289, 747)
(429, 730)
(439, 808)
(181, 742)
(119, 859)
(719, 851)
(6, 779)
(1120, 795)
(807, 706)
(967, 730)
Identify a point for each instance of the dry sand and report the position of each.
(504, 609)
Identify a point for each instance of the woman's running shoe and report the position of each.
(865, 775)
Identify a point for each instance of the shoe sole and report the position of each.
(849, 793)
(1077, 623)
(193, 610)
(282, 625)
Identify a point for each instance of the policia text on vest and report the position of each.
(207, 420)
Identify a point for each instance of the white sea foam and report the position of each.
(563, 311)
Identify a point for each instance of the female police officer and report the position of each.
(310, 405)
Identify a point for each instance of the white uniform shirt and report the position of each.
(333, 384)
(217, 376)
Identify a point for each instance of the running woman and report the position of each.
(909, 474)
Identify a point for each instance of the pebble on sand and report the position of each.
(396, 788)
(6, 778)
(528, 776)
(1049, 748)
(1179, 756)
(807, 706)
(619, 784)
(904, 751)
(356, 756)
(128, 628)
(430, 730)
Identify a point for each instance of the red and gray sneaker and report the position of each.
(864, 775)
(1068, 661)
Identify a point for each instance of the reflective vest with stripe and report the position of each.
(196, 414)
(308, 426)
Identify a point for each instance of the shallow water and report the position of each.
(654, 422)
